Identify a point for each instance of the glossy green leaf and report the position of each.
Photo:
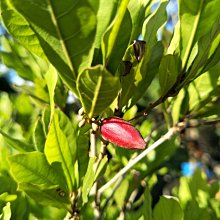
(27, 65)
(97, 89)
(88, 179)
(105, 14)
(7, 197)
(115, 41)
(137, 12)
(101, 167)
(180, 105)
(174, 45)
(20, 29)
(17, 144)
(60, 146)
(135, 84)
(34, 168)
(6, 212)
(206, 48)
(168, 72)
(153, 23)
(51, 195)
(51, 78)
(107, 10)
(66, 31)
(39, 136)
(168, 208)
(203, 89)
(196, 20)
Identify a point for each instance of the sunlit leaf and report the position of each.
(51, 195)
(137, 12)
(196, 20)
(17, 144)
(168, 73)
(60, 146)
(6, 212)
(97, 89)
(168, 208)
(20, 28)
(51, 78)
(34, 168)
(39, 136)
(68, 47)
(115, 41)
(88, 180)
(153, 23)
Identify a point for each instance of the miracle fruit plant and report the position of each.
(91, 48)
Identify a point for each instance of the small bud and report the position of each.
(81, 112)
(82, 123)
(121, 133)
(95, 127)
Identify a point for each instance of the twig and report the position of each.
(171, 132)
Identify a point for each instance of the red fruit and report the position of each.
(121, 133)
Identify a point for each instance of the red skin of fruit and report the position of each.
(122, 133)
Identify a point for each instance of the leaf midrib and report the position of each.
(96, 94)
(70, 183)
(61, 39)
(34, 171)
(190, 42)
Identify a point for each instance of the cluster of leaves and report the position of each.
(80, 46)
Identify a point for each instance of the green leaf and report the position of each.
(51, 78)
(34, 168)
(115, 41)
(20, 29)
(66, 31)
(101, 167)
(196, 20)
(17, 144)
(207, 48)
(60, 146)
(107, 9)
(153, 23)
(203, 89)
(147, 206)
(26, 64)
(168, 208)
(135, 84)
(137, 12)
(7, 197)
(88, 180)
(97, 89)
(168, 72)
(105, 14)
(180, 105)
(6, 214)
(51, 195)
(39, 136)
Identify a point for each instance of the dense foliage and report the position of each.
(113, 58)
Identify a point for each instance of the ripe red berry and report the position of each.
(121, 133)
